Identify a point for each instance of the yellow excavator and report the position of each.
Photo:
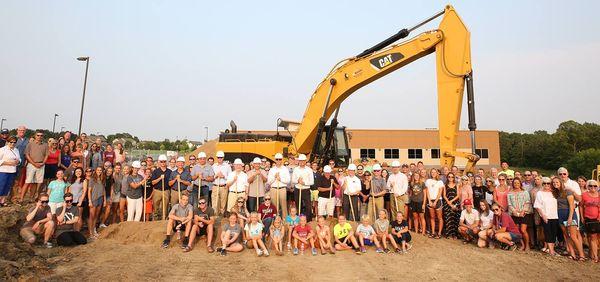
(451, 44)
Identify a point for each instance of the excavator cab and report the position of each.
(333, 145)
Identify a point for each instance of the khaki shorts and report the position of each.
(27, 232)
(314, 195)
(34, 174)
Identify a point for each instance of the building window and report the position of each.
(415, 153)
(391, 153)
(367, 153)
(435, 153)
(483, 153)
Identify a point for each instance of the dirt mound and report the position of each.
(18, 260)
(135, 232)
(210, 148)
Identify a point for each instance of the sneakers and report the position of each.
(223, 252)
(386, 250)
(363, 250)
(379, 251)
(165, 243)
(266, 253)
(398, 251)
(314, 251)
(187, 249)
(357, 251)
(295, 251)
(48, 245)
(259, 253)
(289, 246)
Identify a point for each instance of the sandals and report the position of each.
(187, 249)
(210, 249)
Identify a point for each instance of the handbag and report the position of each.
(592, 226)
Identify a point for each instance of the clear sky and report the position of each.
(166, 69)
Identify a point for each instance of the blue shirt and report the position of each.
(57, 191)
(21, 145)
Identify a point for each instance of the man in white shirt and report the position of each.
(278, 180)
(219, 191)
(469, 222)
(237, 183)
(398, 186)
(302, 179)
(351, 188)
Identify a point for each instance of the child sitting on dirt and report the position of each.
(254, 234)
(324, 236)
(366, 235)
(303, 236)
(382, 224)
(277, 232)
(292, 220)
(343, 234)
(400, 233)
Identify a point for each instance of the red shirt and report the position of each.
(267, 212)
(303, 231)
(504, 220)
(109, 156)
(53, 157)
(591, 206)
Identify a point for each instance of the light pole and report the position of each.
(206, 138)
(54, 122)
(2, 123)
(87, 64)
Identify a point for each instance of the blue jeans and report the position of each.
(6, 181)
(204, 192)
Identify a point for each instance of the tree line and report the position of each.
(574, 145)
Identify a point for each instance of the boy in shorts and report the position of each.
(180, 219)
(366, 235)
(343, 234)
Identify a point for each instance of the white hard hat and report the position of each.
(395, 164)
(352, 167)
(278, 156)
(327, 169)
(256, 161)
(162, 158)
(238, 162)
(136, 164)
(302, 157)
(202, 155)
(220, 154)
(181, 159)
(376, 167)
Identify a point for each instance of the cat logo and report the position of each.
(386, 60)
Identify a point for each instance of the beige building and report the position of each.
(411, 146)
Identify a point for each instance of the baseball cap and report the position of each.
(467, 202)
(352, 167)
(327, 169)
(4, 131)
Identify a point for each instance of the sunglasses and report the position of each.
(44, 202)
(240, 202)
(202, 203)
(267, 199)
(496, 209)
(278, 159)
(39, 135)
(546, 183)
(68, 201)
(192, 159)
(562, 173)
(501, 179)
(593, 186)
(12, 142)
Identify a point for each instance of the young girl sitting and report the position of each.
(292, 220)
(242, 212)
(366, 235)
(382, 224)
(277, 232)
(400, 233)
(324, 236)
(254, 234)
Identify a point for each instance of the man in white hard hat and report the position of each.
(160, 178)
(219, 191)
(397, 184)
(352, 187)
(237, 184)
(302, 178)
(203, 175)
(378, 191)
(257, 178)
(326, 184)
(179, 180)
(278, 179)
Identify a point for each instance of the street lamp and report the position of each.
(2, 123)
(206, 138)
(54, 122)
(87, 64)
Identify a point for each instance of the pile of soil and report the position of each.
(131, 251)
(19, 260)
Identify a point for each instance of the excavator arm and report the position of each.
(450, 42)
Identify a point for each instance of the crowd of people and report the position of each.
(288, 205)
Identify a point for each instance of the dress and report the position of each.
(451, 217)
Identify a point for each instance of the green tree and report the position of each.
(583, 162)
